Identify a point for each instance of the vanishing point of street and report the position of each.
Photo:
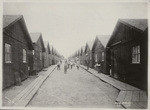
(77, 88)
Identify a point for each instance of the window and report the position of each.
(7, 53)
(102, 56)
(24, 56)
(136, 54)
(95, 57)
(33, 52)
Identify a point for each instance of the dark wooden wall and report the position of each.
(121, 53)
(31, 62)
(98, 48)
(38, 64)
(15, 36)
(50, 59)
(46, 58)
(83, 59)
(88, 60)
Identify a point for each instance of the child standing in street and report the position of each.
(58, 65)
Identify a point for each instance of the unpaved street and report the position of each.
(77, 88)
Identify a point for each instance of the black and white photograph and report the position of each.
(75, 54)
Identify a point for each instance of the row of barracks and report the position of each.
(123, 55)
(24, 53)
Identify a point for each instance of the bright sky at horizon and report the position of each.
(68, 26)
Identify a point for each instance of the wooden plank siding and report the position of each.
(53, 59)
(38, 59)
(99, 52)
(50, 59)
(17, 36)
(119, 55)
(82, 57)
(38, 63)
(31, 62)
(88, 54)
(46, 55)
(50, 55)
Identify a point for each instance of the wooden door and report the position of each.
(114, 62)
(17, 58)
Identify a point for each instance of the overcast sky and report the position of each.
(67, 26)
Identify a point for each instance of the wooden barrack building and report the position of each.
(127, 52)
(16, 45)
(37, 62)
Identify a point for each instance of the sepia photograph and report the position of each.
(75, 54)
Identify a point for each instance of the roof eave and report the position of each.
(21, 16)
(123, 22)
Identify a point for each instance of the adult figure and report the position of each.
(87, 64)
(78, 64)
(98, 65)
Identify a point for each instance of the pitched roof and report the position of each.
(35, 36)
(103, 39)
(54, 50)
(46, 43)
(141, 24)
(79, 51)
(50, 47)
(10, 19)
(83, 48)
(47, 46)
(90, 44)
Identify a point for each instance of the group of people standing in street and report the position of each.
(67, 65)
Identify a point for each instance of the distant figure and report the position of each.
(87, 63)
(97, 66)
(58, 65)
(68, 65)
(71, 65)
(78, 64)
(65, 67)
